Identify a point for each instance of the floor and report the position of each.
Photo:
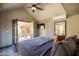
(9, 51)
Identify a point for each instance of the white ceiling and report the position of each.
(8, 6)
(50, 9)
(71, 8)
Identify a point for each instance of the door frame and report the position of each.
(14, 22)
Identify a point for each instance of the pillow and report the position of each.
(70, 46)
(77, 51)
(60, 37)
(74, 37)
(58, 49)
(64, 48)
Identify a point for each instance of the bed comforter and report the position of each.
(35, 47)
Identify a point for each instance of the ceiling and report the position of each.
(71, 8)
(50, 9)
(9, 6)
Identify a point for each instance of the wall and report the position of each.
(71, 29)
(36, 31)
(49, 27)
(73, 25)
(6, 23)
(0, 34)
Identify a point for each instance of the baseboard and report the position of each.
(5, 46)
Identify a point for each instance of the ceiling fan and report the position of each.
(34, 6)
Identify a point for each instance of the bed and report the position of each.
(38, 46)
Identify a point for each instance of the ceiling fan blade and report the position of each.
(29, 7)
(39, 8)
(34, 5)
(38, 3)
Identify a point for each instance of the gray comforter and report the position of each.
(34, 47)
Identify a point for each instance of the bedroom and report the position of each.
(51, 13)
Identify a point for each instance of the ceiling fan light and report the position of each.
(33, 8)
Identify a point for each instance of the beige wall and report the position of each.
(73, 25)
(0, 34)
(6, 23)
(36, 31)
(49, 27)
(71, 29)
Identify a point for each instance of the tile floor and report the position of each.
(9, 51)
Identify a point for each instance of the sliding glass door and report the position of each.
(22, 30)
(25, 30)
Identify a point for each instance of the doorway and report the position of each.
(22, 30)
(25, 30)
